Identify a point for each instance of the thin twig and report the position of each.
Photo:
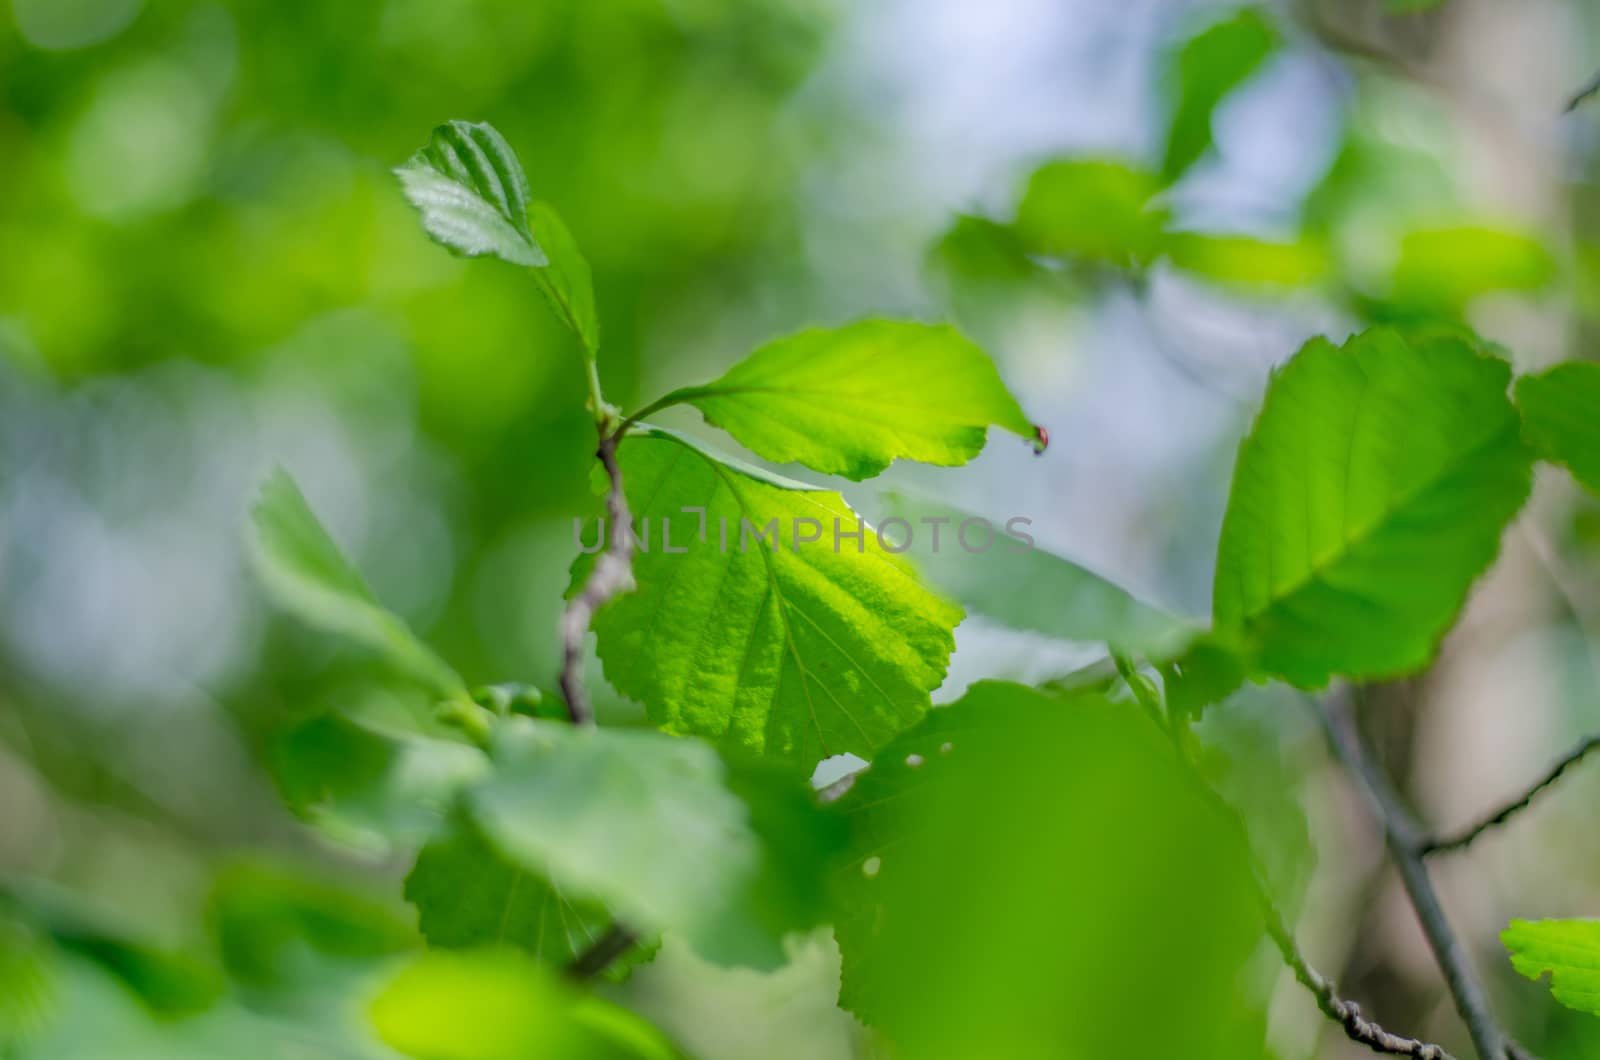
(1406, 841)
(612, 575)
(1465, 837)
(1590, 88)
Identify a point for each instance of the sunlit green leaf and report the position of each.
(305, 573)
(997, 570)
(1561, 417)
(800, 644)
(1369, 495)
(500, 1005)
(1569, 950)
(849, 401)
(28, 988)
(989, 821)
(1244, 261)
(472, 193)
(1094, 210)
(1210, 65)
(1443, 269)
(469, 894)
(662, 831)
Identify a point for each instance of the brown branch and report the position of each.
(1590, 88)
(612, 576)
(1406, 843)
(1465, 837)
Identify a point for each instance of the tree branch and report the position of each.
(1465, 837)
(605, 949)
(1406, 844)
(1590, 88)
(612, 575)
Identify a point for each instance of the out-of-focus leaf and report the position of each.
(1369, 495)
(305, 573)
(980, 251)
(850, 401)
(1210, 65)
(167, 981)
(1012, 581)
(269, 922)
(363, 786)
(27, 984)
(1561, 417)
(1569, 950)
(1206, 672)
(798, 649)
(1411, 7)
(989, 822)
(1443, 269)
(472, 193)
(1243, 261)
(499, 1005)
(469, 894)
(566, 282)
(661, 831)
(1092, 210)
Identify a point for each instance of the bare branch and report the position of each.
(612, 575)
(1465, 837)
(1406, 844)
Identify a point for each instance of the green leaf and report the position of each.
(659, 829)
(1561, 418)
(789, 649)
(1210, 65)
(499, 1005)
(566, 282)
(1024, 587)
(28, 987)
(981, 840)
(273, 923)
(366, 787)
(1444, 269)
(1370, 494)
(469, 894)
(1569, 950)
(1094, 210)
(304, 572)
(1243, 261)
(472, 194)
(850, 401)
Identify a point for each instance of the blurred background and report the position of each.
(206, 270)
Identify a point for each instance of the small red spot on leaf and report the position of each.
(1041, 439)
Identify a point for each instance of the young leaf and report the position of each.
(1561, 418)
(1093, 210)
(472, 194)
(1210, 65)
(468, 895)
(849, 401)
(499, 1005)
(305, 573)
(760, 624)
(657, 828)
(1246, 262)
(1371, 492)
(566, 282)
(474, 199)
(1024, 587)
(1567, 949)
(1009, 822)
